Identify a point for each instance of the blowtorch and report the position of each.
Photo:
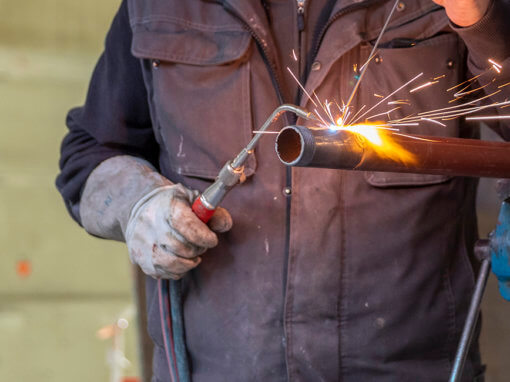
(231, 173)
(204, 207)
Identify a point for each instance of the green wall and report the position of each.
(77, 284)
(56, 25)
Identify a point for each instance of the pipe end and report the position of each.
(295, 145)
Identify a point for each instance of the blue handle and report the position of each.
(500, 250)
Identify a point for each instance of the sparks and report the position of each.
(450, 108)
(294, 56)
(463, 93)
(452, 114)
(372, 53)
(404, 124)
(383, 113)
(494, 64)
(423, 86)
(488, 117)
(333, 117)
(301, 86)
(388, 96)
(399, 102)
(433, 121)
(465, 82)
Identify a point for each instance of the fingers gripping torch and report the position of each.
(231, 173)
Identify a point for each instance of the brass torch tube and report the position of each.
(303, 147)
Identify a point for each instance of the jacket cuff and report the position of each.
(488, 38)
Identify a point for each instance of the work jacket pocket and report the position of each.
(435, 64)
(198, 80)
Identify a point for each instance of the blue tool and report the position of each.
(496, 249)
(500, 241)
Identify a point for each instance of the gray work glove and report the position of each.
(165, 238)
(126, 199)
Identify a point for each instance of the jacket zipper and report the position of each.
(301, 14)
(273, 71)
(300, 7)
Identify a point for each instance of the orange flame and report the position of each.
(379, 137)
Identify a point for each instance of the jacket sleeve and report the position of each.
(115, 119)
(489, 39)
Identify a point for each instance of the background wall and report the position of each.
(58, 286)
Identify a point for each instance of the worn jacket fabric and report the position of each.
(327, 275)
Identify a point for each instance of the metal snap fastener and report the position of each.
(377, 59)
(287, 191)
(316, 66)
(401, 6)
(155, 64)
(450, 64)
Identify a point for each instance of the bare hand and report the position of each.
(464, 13)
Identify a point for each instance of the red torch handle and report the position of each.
(201, 210)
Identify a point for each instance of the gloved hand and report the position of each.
(126, 199)
(165, 238)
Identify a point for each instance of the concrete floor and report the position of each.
(49, 318)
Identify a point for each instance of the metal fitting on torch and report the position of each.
(350, 150)
(205, 205)
(232, 171)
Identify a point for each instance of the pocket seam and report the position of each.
(146, 51)
(144, 21)
(391, 179)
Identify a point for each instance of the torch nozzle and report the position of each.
(238, 162)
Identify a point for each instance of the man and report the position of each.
(325, 275)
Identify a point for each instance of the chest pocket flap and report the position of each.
(199, 90)
(188, 43)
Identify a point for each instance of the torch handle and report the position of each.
(202, 212)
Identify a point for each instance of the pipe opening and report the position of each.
(289, 145)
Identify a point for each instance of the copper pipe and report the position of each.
(344, 149)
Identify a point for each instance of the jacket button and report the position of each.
(287, 191)
(401, 6)
(155, 64)
(377, 59)
(316, 66)
(450, 64)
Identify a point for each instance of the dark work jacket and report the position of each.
(352, 276)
